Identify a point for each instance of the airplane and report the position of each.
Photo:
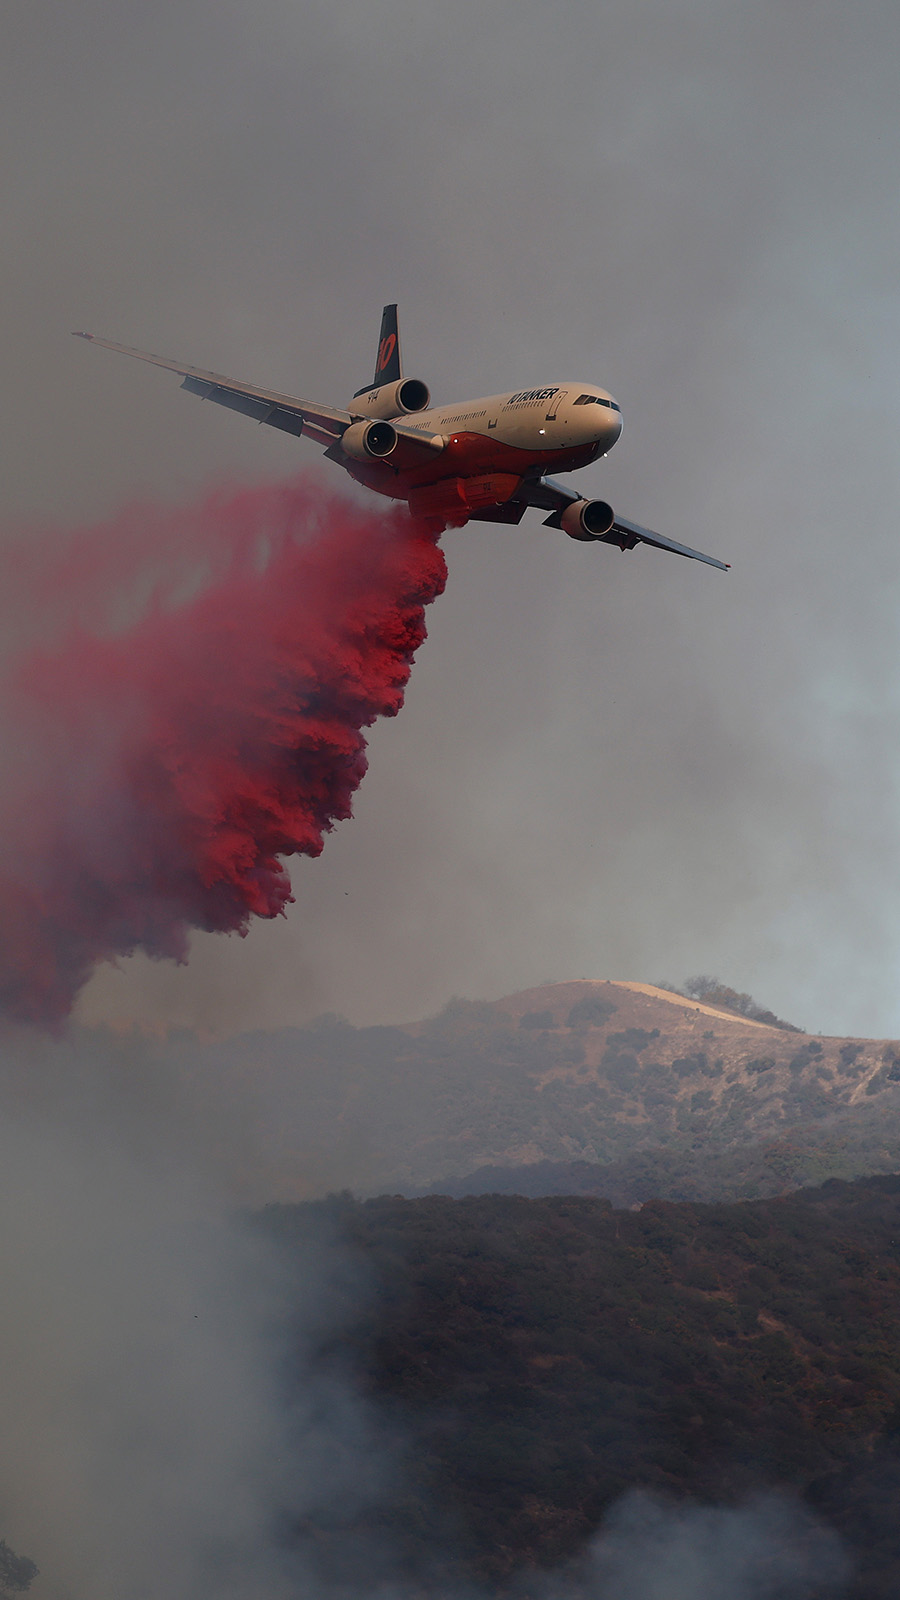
(483, 460)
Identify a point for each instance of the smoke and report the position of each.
(768, 1549)
(197, 718)
(149, 1444)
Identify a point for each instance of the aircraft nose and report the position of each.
(613, 427)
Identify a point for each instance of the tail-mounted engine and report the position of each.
(586, 520)
(398, 399)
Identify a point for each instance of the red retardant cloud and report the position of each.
(158, 770)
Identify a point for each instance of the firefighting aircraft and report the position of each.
(485, 459)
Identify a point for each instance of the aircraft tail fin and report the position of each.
(388, 367)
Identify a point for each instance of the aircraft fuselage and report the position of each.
(524, 433)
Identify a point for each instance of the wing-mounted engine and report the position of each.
(400, 399)
(391, 442)
(585, 519)
(594, 520)
(369, 441)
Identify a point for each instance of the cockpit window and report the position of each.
(596, 400)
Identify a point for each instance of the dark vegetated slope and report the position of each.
(546, 1355)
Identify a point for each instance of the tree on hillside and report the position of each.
(17, 1573)
(712, 992)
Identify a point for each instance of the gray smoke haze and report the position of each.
(767, 1549)
(150, 1445)
(141, 1449)
(625, 765)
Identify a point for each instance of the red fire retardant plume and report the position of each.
(162, 757)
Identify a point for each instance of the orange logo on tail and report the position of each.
(386, 350)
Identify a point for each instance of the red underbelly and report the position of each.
(469, 455)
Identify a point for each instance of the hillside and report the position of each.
(594, 1072)
(542, 1357)
(855, 1142)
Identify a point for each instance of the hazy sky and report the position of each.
(609, 765)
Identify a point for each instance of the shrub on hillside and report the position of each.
(591, 1012)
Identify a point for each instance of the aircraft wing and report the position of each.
(553, 497)
(322, 423)
(628, 534)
